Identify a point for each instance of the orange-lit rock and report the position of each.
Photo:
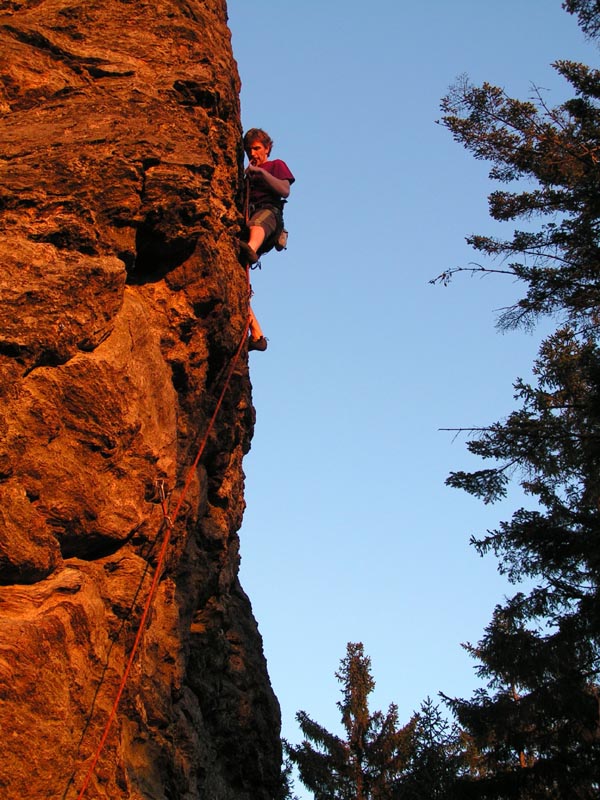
(122, 302)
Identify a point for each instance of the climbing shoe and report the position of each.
(248, 253)
(257, 344)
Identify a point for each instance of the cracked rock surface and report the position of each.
(122, 303)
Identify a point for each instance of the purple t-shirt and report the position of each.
(260, 193)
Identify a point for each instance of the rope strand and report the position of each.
(169, 524)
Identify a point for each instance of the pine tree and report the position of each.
(537, 725)
(365, 764)
(588, 12)
(541, 653)
(438, 757)
(558, 150)
(286, 781)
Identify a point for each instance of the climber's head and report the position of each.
(257, 145)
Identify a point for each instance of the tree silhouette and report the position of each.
(537, 725)
(366, 764)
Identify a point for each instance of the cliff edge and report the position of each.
(122, 303)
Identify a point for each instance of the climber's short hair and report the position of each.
(257, 135)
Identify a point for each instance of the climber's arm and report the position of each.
(279, 186)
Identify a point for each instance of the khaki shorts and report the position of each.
(266, 219)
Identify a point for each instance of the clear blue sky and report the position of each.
(350, 533)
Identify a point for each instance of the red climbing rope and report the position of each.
(169, 521)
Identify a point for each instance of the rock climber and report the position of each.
(269, 187)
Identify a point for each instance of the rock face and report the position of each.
(122, 304)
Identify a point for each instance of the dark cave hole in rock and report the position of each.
(156, 255)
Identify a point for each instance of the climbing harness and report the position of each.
(169, 524)
(279, 238)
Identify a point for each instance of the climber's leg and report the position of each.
(262, 224)
(257, 339)
(255, 329)
(256, 237)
